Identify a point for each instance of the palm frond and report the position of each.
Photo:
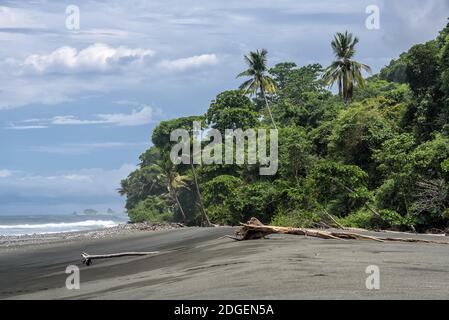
(246, 73)
(249, 86)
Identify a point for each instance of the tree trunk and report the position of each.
(200, 199)
(268, 107)
(176, 199)
(348, 90)
(254, 229)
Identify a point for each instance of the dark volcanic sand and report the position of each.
(196, 263)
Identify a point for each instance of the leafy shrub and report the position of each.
(254, 200)
(393, 219)
(361, 219)
(154, 209)
(295, 219)
(220, 188)
(365, 219)
(222, 215)
(338, 187)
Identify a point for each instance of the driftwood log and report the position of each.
(254, 229)
(87, 258)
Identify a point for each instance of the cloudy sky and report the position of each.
(77, 107)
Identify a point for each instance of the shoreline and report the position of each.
(18, 241)
(200, 263)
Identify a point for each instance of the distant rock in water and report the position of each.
(110, 211)
(90, 211)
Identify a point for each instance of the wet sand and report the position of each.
(196, 263)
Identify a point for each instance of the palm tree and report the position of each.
(345, 71)
(166, 173)
(257, 70)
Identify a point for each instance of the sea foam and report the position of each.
(46, 228)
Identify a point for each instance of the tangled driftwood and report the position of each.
(87, 258)
(254, 229)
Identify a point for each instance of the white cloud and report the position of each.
(15, 127)
(135, 118)
(5, 173)
(65, 73)
(97, 57)
(70, 177)
(128, 103)
(17, 18)
(99, 32)
(189, 63)
(85, 148)
(318, 7)
(72, 120)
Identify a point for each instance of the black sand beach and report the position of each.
(197, 263)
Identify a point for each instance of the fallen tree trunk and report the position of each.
(254, 229)
(87, 258)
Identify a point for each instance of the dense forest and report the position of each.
(375, 155)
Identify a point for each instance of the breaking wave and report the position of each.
(45, 228)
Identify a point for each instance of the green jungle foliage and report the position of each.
(375, 155)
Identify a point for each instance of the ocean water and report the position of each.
(14, 225)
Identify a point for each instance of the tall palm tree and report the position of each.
(260, 80)
(344, 71)
(166, 173)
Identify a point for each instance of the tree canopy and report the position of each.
(376, 156)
